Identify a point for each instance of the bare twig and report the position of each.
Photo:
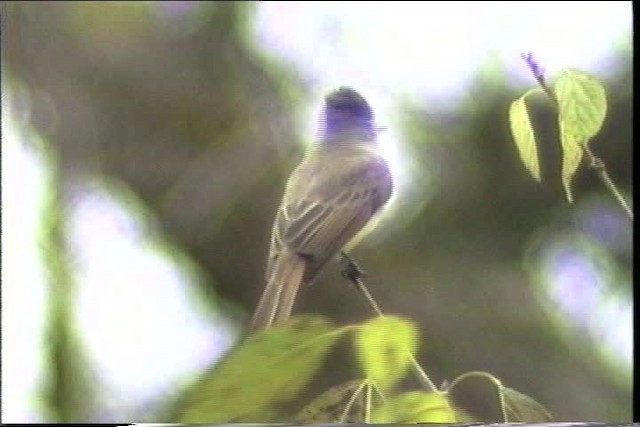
(598, 165)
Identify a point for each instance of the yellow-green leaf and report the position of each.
(267, 369)
(582, 107)
(384, 346)
(523, 134)
(572, 153)
(582, 104)
(414, 407)
(521, 408)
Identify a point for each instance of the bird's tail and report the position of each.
(280, 292)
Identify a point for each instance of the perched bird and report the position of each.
(341, 183)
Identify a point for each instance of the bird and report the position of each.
(329, 203)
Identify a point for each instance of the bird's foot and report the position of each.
(350, 270)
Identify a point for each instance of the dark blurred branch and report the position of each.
(68, 391)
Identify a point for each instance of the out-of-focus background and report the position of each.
(144, 150)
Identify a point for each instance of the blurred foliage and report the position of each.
(174, 100)
(521, 408)
(342, 403)
(514, 405)
(415, 407)
(68, 389)
(266, 371)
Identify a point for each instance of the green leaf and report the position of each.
(383, 348)
(414, 407)
(521, 408)
(267, 369)
(523, 134)
(582, 107)
(343, 403)
(582, 104)
(571, 157)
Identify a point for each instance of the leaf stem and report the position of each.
(352, 400)
(494, 380)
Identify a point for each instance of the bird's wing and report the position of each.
(318, 223)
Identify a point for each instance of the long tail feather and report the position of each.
(280, 292)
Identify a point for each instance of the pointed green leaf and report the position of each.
(571, 157)
(521, 408)
(384, 346)
(267, 369)
(414, 407)
(582, 104)
(582, 107)
(523, 134)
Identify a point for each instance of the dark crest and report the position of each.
(345, 110)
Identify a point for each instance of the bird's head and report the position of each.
(346, 113)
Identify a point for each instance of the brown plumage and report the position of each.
(341, 183)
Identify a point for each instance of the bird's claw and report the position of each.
(350, 269)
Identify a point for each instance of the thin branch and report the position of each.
(598, 165)
(595, 163)
(354, 274)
